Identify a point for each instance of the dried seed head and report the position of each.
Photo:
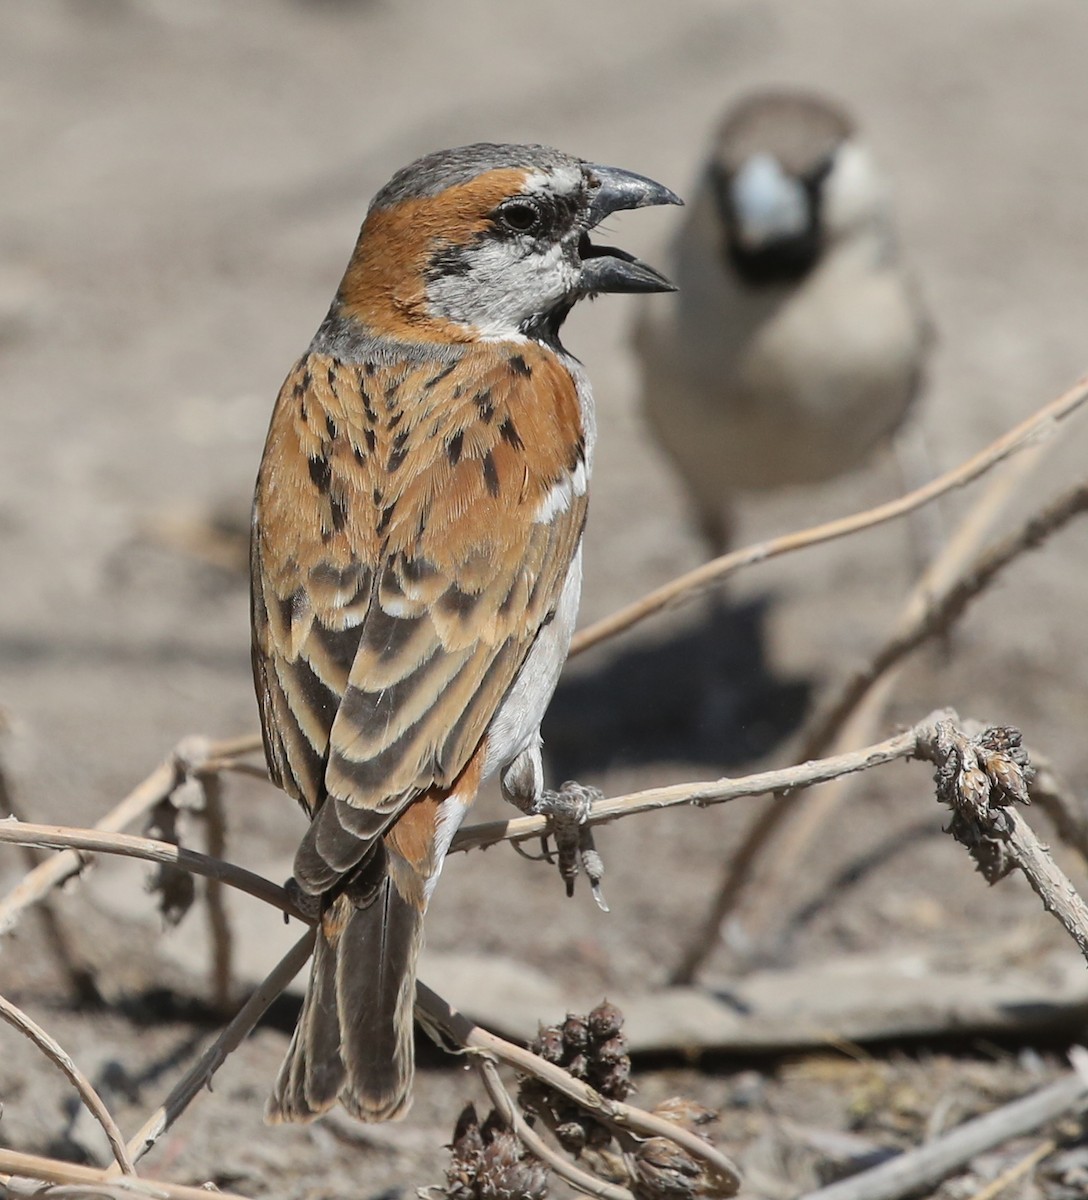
(571, 1135)
(578, 1066)
(1008, 778)
(612, 1080)
(465, 1151)
(598, 1135)
(605, 1021)
(548, 1043)
(974, 790)
(534, 1096)
(613, 1051)
(506, 1172)
(575, 1033)
(662, 1170)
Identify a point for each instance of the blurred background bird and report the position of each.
(797, 344)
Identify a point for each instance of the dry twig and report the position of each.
(1017, 1171)
(450, 1026)
(130, 846)
(1041, 423)
(215, 832)
(190, 756)
(199, 1075)
(71, 963)
(981, 778)
(926, 1166)
(581, 1181)
(718, 791)
(94, 1182)
(843, 722)
(60, 1058)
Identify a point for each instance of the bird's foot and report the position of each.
(567, 811)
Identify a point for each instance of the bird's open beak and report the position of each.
(605, 268)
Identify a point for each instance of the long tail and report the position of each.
(353, 1042)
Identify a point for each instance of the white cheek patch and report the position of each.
(505, 285)
(855, 192)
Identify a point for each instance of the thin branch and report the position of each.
(1017, 1171)
(60, 1058)
(191, 756)
(15, 1165)
(130, 846)
(54, 871)
(935, 618)
(925, 1167)
(1041, 423)
(72, 965)
(511, 1115)
(219, 930)
(843, 722)
(701, 795)
(437, 1014)
(182, 1095)
(1054, 796)
(981, 778)
(487, 833)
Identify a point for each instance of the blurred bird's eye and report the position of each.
(520, 216)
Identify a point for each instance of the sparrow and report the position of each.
(798, 343)
(416, 565)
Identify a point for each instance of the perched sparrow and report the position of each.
(797, 343)
(416, 565)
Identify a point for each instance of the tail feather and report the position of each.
(353, 1042)
(376, 987)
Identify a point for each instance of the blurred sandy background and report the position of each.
(182, 184)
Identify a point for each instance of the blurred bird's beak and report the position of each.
(605, 268)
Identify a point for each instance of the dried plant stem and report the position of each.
(1065, 811)
(718, 791)
(504, 1105)
(854, 714)
(923, 1168)
(54, 871)
(436, 1014)
(1041, 423)
(97, 1183)
(1048, 881)
(70, 962)
(925, 621)
(215, 832)
(989, 824)
(60, 1058)
(130, 846)
(1017, 1171)
(487, 833)
(190, 756)
(232, 1036)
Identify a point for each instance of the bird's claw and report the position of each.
(567, 811)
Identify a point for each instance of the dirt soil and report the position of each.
(182, 186)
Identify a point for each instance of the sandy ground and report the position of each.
(182, 185)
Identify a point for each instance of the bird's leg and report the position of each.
(566, 809)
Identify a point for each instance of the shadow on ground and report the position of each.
(702, 694)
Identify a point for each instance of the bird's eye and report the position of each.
(520, 216)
